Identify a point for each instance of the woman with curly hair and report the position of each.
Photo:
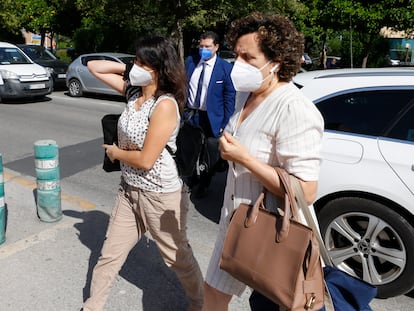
(149, 195)
(273, 125)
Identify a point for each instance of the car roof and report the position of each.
(34, 45)
(115, 54)
(6, 45)
(318, 84)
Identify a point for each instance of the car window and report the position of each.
(127, 59)
(367, 113)
(38, 53)
(404, 129)
(86, 59)
(110, 58)
(10, 56)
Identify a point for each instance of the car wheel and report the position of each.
(75, 88)
(369, 240)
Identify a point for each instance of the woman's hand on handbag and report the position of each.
(111, 151)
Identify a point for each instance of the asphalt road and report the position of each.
(47, 266)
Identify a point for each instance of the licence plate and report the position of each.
(37, 86)
(62, 76)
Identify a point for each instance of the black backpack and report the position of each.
(192, 155)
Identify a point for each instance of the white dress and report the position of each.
(285, 130)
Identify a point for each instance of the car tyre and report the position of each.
(75, 88)
(369, 240)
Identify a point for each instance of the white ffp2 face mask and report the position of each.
(139, 76)
(247, 78)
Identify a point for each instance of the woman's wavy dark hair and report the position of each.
(279, 40)
(160, 54)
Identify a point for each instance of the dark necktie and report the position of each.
(199, 88)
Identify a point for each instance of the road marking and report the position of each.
(7, 250)
(71, 199)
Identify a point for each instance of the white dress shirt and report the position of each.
(206, 81)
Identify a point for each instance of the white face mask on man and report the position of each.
(140, 76)
(247, 78)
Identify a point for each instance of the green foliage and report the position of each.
(364, 17)
(36, 15)
(8, 16)
(112, 25)
(66, 54)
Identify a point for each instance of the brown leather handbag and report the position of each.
(275, 254)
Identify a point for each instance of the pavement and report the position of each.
(47, 266)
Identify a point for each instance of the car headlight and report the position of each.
(49, 70)
(5, 74)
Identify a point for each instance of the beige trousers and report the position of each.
(135, 212)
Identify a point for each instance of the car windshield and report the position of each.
(38, 53)
(12, 56)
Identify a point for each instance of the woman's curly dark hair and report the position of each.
(160, 53)
(279, 40)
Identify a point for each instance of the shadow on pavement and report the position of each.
(24, 101)
(119, 98)
(72, 159)
(144, 267)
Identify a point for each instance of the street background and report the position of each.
(47, 266)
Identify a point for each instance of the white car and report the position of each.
(20, 77)
(365, 202)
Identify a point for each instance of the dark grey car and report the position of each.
(80, 81)
(45, 58)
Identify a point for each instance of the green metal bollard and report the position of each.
(2, 204)
(48, 180)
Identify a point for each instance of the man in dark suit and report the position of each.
(211, 93)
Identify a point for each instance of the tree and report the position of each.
(8, 18)
(114, 24)
(47, 17)
(183, 20)
(364, 17)
(195, 16)
(9, 24)
(36, 16)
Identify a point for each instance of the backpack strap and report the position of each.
(131, 91)
(170, 151)
(186, 119)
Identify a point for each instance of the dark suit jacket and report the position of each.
(220, 93)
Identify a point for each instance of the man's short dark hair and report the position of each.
(210, 35)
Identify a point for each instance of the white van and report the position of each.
(20, 77)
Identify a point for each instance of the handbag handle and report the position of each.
(300, 197)
(288, 181)
(291, 208)
(289, 211)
